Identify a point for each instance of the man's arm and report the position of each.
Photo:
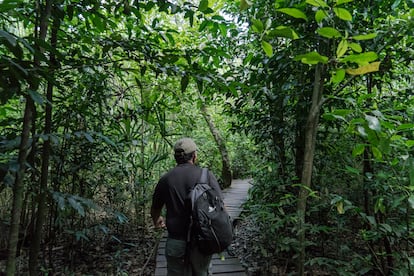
(157, 219)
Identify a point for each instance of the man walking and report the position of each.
(172, 191)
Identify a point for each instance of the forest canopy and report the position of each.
(311, 99)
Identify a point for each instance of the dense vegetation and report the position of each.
(313, 99)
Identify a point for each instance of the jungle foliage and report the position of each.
(313, 99)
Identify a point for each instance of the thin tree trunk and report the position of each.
(226, 172)
(42, 198)
(18, 188)
(310, 141)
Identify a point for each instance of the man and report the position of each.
(172, 191)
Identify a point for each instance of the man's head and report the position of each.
(185, 151)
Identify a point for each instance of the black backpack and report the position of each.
(210, 224)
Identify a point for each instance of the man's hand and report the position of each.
(159, 222)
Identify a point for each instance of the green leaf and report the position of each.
(203, 5)
(376, 152)
(361, 59)
(328, 32)
(411, 201)
(369, 68)
(76, 205)
(358, 150)
(352, 170)
(267, 48)
(283, 31)
(320, 15)
(365, 36)
(338, 76)
(317, 3)
(373, 122)
(343, 14)
(340, 207)
(296, 13)
(405, 127)
(312, 58)
(257, 25)
(7, 5)
(340, 2)
(245, 4)
(342, 48)
(9, 37)
(36, 97)
(88, 137)
(355, 47)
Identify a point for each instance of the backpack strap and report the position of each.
(203, 177)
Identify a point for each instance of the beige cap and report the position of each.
(185, 145)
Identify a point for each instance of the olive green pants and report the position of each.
(198, 264)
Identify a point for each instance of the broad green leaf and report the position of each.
(338, 76)
(340, 2)
(203, 5)
(340, 207)
(257, 25)
(317, 3)
(328, 32)
(283, 31)
(409, 143)
(372, 67)
(352, 170)
(76, 205)
(379, 205)
(320, 15)
(373, 122)
(245, 4)
(377, 153)
(365, 36)
(267, 48)
(355, 47)
(9, 37)
(36, 97)
(312, 58)
(358, 150)
(296, 13)
(343, 14)
(371, 220)
(342, 47)
(411, 201)
(385, 226)
(361, 59)
(6, 5)
(405, 126)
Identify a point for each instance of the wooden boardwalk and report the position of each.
(222, 265)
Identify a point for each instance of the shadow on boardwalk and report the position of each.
(224, 264)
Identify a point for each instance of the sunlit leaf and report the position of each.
(296, 13)
(340, 207)
(328, 32)
(377, 153)
(312, 58)
(340, 2)
(343, 14)
(320, 15)
(257, 25)
(283, 31)
(317, 3)
(372, 67)
(358, 149)
(203, 5)
(365, 36)
(267, 48)
(355, 47)
(338, 76)
(342, 48)
(245, 4)
(405, 126)
(373, 122)
(361, 59)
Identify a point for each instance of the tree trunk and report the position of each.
(310, 140)
(226, 172)
(18, 188)
(42, 198)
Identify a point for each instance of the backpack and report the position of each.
(210, 224)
